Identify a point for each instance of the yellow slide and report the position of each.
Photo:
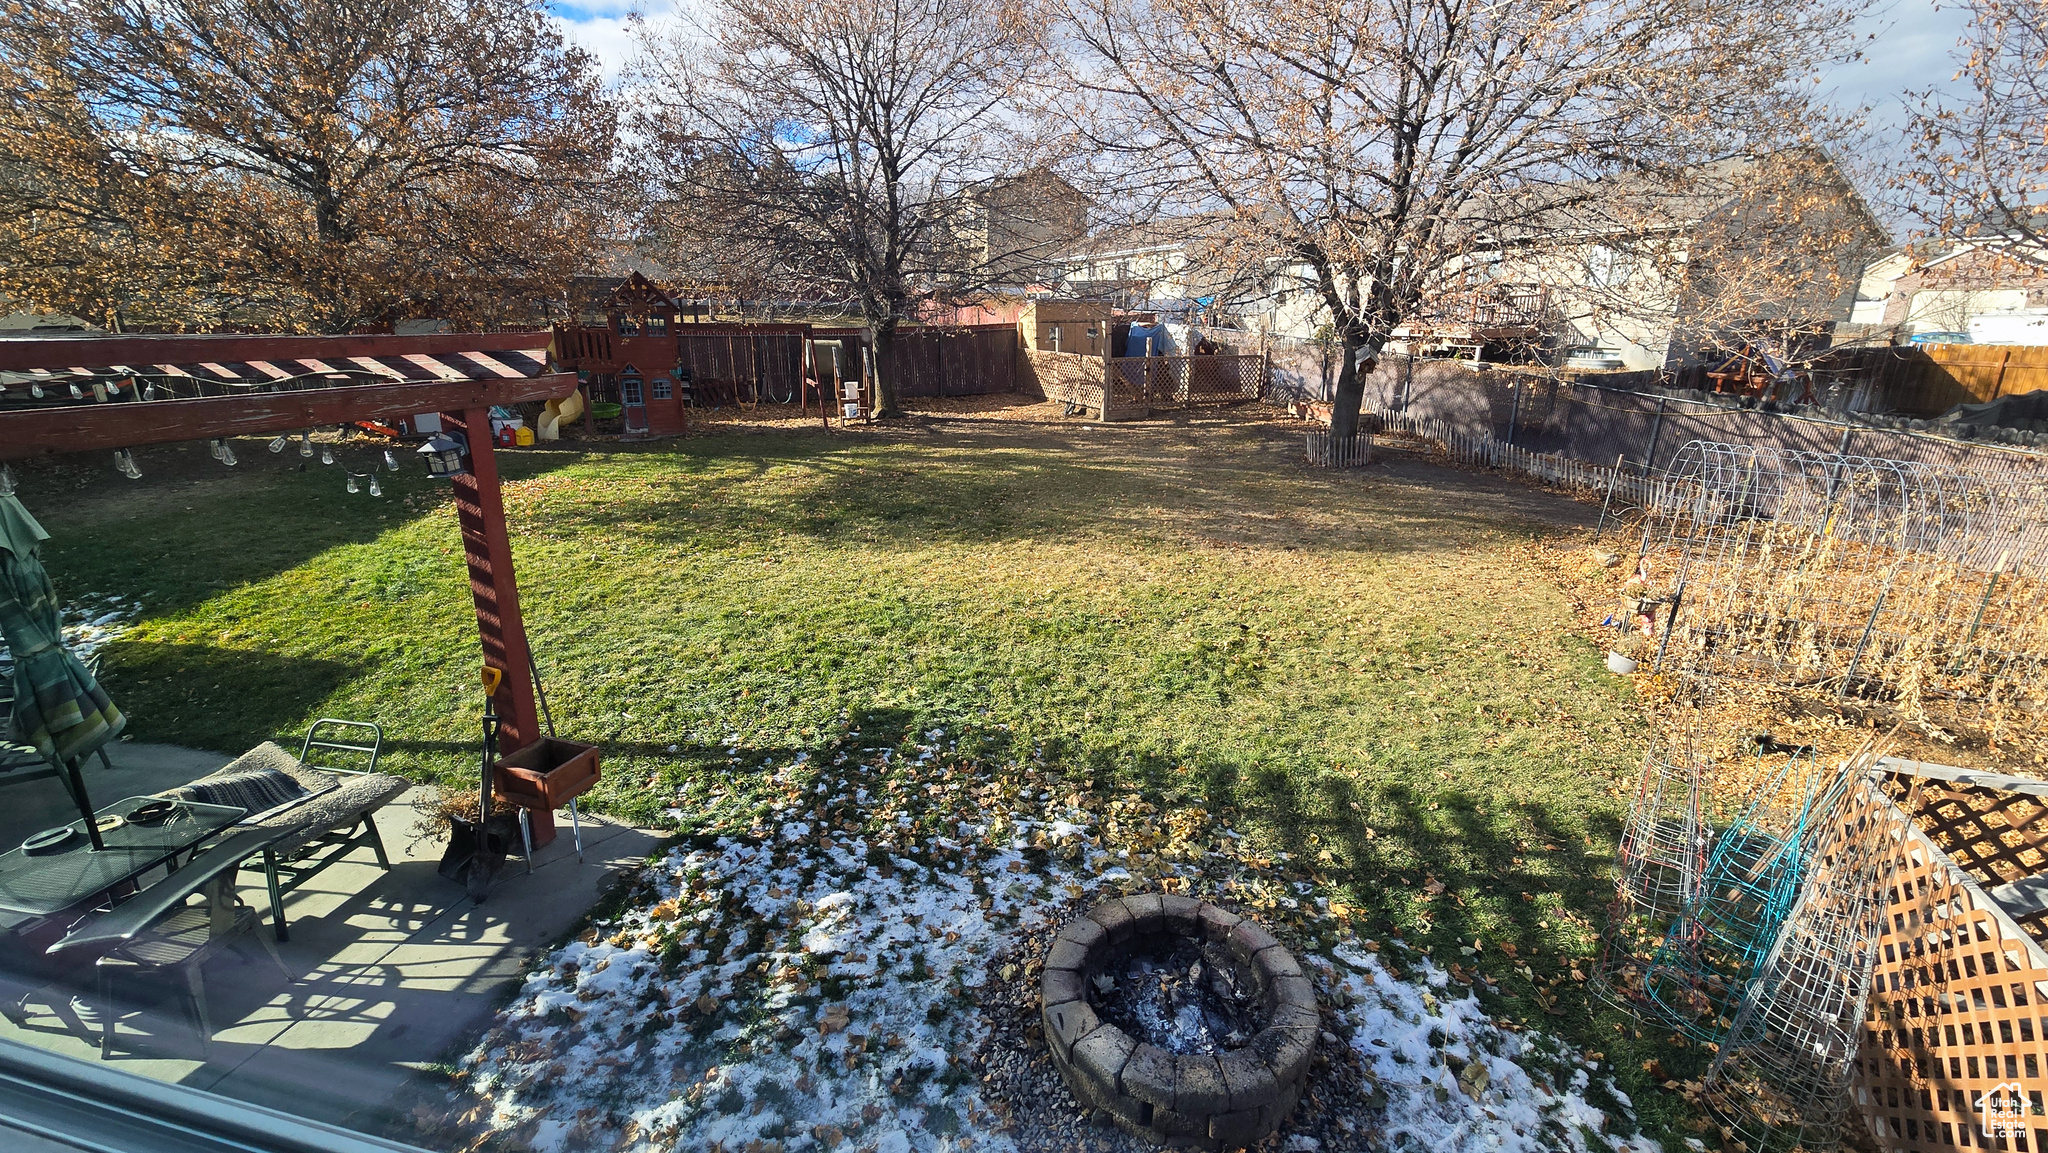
(558, 413)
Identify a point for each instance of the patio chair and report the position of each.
(327, 804)
(160, 933)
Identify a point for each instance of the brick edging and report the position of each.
(1209, 1101)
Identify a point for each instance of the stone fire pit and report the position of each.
(1225, 1021)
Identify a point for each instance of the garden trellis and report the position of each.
(1882, 582)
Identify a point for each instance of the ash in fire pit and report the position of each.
(1178, 1020)
(1181, 995)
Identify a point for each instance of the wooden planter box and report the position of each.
(546, 774)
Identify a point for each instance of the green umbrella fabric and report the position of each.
(58, 706)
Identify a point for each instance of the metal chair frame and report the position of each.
(284, 874)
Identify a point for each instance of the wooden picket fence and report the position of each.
(1328, 451)
(1622, 486)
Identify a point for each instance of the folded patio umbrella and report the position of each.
(58, 707)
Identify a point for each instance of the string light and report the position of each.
(390, 460)
(352, 486)
(374, 490)
(326, 455)
(227, 454)
(36, 390)
(277, 445)
(124, 463)
(7, 481)
(77, 393)
(306, 443)
(149, 390)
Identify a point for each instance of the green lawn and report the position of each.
(1358, 669)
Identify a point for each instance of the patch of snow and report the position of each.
(1416, 1047)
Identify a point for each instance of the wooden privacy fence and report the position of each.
(1186, 381)
(730, 366)
(967, 360)
(1934, 378)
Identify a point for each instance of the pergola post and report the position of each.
(487, 550)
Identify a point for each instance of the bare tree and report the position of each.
(828, 151)
(311, 164)
(1981, 163)
(1368, 149)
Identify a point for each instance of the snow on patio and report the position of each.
(822, 977)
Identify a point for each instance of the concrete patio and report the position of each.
(395, 972)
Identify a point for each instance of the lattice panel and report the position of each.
(1995, 836)
(1959, 1001)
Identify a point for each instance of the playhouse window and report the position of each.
(629, 389)
(662, 388)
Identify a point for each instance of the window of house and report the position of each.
(629, 388)
(657, 326)
(629, 326)
(662, 389)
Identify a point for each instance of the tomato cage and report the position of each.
(1897, 587)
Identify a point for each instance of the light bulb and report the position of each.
(77, 393)
(36, 390)
(374, 490)
(213, 447)
(227, 454)
(326, 456)
(352, 485)
(390, 460)
(7, 481)
(124, 462)
(99, 391)
(149, 391)
(306, 443)
(277, 445)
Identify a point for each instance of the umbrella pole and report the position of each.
(78, 797)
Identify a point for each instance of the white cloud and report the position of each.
(609, 38)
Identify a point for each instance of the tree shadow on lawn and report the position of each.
(984, 488)
(1513, 871)
(227, 700)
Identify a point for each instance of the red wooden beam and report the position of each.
(59, 352)
(130, 424)
(487, 549)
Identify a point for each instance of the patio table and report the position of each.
(57, 879)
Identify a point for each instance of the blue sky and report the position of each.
(1911, 48)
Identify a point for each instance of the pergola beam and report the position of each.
(131, 424)
(58, 352)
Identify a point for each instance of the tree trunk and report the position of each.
(885, 369)
(1350, 394)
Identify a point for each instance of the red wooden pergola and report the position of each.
(221, 386)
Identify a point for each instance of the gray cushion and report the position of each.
(255, 792)
(331, 800)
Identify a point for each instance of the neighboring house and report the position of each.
(1993, 289)
(1636, 277)
(1651, 276)
(1178, 267)
(1010, 229)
